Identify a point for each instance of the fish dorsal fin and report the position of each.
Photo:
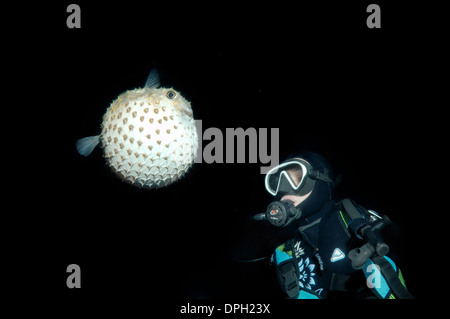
(152, 80)
(86, 145)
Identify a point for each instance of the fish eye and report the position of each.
(171, 94)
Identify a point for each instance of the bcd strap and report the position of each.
(287, 270)
(351, 209)
(391, 277)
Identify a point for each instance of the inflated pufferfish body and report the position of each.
(148, 136)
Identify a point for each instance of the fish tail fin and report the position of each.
(86, 145)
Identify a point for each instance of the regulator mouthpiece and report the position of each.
(282, 213)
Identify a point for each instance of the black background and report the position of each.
(359, 96)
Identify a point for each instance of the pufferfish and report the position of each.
(148, 136)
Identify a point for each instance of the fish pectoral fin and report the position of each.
(86, 145)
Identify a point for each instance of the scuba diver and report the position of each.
(320, 246)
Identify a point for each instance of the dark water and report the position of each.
(317, 73)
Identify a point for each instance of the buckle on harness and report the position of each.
(288, 275)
